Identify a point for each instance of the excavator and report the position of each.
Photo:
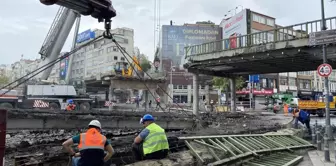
(125, 70)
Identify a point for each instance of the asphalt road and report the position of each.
(321, 120)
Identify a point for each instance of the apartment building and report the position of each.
(100, 56)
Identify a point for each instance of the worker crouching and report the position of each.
(303, 117)
(91, 146)
(152, 142)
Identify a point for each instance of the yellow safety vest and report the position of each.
(156, 139)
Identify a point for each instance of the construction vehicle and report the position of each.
(310, 101)
(126, 70)
(54, 96)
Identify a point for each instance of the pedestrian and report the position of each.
(150, 104)
(157, 102)
(303, 117)
(152, 142)
(91, 146)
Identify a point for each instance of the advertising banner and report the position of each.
(233, 29)
(84, 36)
(175, 38)
(64, 68)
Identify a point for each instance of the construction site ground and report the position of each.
(45, 145)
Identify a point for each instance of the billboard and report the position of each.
(175, 38)
(64, 63)
(233, 28)
(84, 36)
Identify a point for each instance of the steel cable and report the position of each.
(44, 67)
(123, 51)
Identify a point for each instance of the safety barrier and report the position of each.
(3, 124)
(277, 159)
(288, 33)
(229, 148)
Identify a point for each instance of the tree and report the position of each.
(4, 80)
(224, 83)
(145, 65)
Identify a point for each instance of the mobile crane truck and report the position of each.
(53, 96)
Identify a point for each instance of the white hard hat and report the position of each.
(95, 123)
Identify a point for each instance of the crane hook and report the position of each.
(107, 34)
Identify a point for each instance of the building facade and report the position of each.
(100, 56)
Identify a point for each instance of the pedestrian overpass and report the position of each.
(284, 49)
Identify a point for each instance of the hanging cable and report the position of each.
(123, 51)
(44, 67)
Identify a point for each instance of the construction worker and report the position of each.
(71, 105)
(91, 146)
(152, 142)
(303, 117)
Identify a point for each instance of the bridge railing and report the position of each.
(292, 32)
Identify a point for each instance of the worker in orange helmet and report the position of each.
(91, 146)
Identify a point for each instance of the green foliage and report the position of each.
(145, 65)
(224, 83)
(4, 80)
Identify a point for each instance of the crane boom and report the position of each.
(56, 38)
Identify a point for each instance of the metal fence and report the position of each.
(292, 32)
(229, 148)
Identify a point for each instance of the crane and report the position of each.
(64, 21)
(54, 96)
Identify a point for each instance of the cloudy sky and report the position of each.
(25, 23)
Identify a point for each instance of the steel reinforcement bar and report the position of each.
(230, 148)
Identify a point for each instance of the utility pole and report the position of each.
(326, 89)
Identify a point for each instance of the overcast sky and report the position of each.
(25, 23)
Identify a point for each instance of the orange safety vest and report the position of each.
(70, 107)
(92, 139)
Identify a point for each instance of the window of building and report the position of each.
(100, 52)
(283, 81)
(174, 86)
(180, 87)
(81, 70)
(122, 58)
(185, 86)
(292, 82)
(115, 58)
(202, 87)
(109, 49)
(270, 22)
(115, 49)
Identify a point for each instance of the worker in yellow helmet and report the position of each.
(152, 142)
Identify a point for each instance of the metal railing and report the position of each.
(229, 148)
(292, 32)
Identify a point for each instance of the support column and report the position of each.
(195, 94)
(189, 95)
(146, 100)
(233, 94)
(111, 90)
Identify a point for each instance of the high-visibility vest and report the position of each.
(156, 139)
(92, 139)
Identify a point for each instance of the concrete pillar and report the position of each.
(207, 94)
(195, 94)
(146, 100)
(111, 90)
(189, 95)
(233, 94)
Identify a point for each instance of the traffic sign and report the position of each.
(324, 70)
(322, 37)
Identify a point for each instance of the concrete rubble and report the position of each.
(36, 142)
